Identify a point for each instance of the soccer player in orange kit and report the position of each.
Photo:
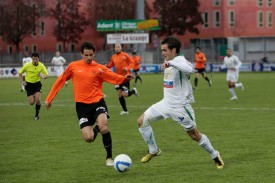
(87, 78)
(136, 66)
(123, 64)
(200, 60)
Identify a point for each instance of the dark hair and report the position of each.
(88, 46)
(198, 48)
(35, 55)
(172, 42)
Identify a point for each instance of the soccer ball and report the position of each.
(122, 163)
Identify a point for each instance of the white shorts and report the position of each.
(232, 76)
(59, 70)
(184, 115)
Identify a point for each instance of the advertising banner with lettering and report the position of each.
(134, 38)
(126, 25)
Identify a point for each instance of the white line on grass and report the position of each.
(112, 106)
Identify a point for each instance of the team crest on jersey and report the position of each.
(94, 71)
(167, 73)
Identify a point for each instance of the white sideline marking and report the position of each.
(112, 106)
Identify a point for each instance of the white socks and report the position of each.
(238, 85)
(148, 136)
(205, 143)
(232, 91)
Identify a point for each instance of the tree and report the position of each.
(17, 20)
(178, 16)
(70, 22)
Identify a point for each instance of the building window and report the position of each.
(34, 25)
(42, 28)
(72, 48)
(235, 46)
(269, 3)
(34, 49)
(216, 2)
(26, 48)
(9, 49)
(2, 18)
(260, 2)
(59, 47)
(205, 19)
(217, 18)
(42, 9)
(34, 29)
(269, 20)
(72, 7)
(231, 18)
(260, 19)
(231, 2)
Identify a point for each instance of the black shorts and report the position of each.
(88, 113)
(136, 70)
(200, 70)
(123, 85)
(33, 88)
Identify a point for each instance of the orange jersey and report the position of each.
(122, 62)
(137, 62)
(200, 59)
(87, 81)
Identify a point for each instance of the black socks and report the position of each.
(123, 103)
(107, 142)
(37, 109)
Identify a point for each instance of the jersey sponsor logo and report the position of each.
(83, 120)
(101, 108)
(80, 70)
(168, 84)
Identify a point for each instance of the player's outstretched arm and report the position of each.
(48, 105)
(129, 77)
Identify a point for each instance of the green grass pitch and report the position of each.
(52, 149)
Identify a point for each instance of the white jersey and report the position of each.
(232, 62)
(26, 60)
(58, 61)
(177, 86)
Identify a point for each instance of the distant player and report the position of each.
(25, 60)
(200, 60)
(34, 71)
(58, 62)
(136, 66)
(233, 64)
(123, 64)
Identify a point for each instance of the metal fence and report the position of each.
(149, 56)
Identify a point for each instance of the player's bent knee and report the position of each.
(88, 138)
(194, 135)
(124, 94)
(143, 121)
(140, 120)
(104, 131)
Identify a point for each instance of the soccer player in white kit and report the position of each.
(25, 60)
(176, 103)
(58, 62)
(232, 63)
